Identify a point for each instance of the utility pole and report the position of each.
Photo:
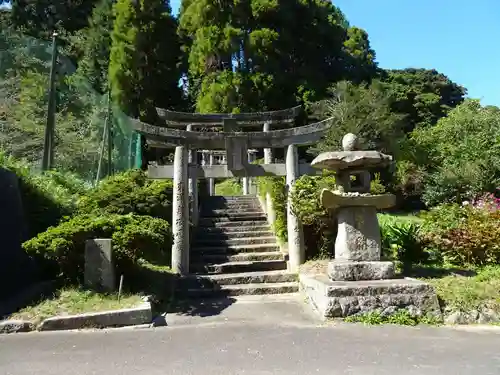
(48, 147)
(109, 129)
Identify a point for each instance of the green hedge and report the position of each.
(60, 250)
(129, 192)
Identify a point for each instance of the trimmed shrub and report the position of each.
(60, 250)
(129, 192)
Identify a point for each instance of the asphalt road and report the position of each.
(261, 343)
(227, 348)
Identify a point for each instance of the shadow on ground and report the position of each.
(201, 308)
(170, 293)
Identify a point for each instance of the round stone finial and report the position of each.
(350, 142)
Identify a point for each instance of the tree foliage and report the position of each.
(365, 111)
(39, 18)
(257, 55)
(463, 153)
(423, 95)
(145, 52)
(97, 45)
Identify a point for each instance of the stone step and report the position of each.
(216, 234)
(232, 222)
(236, 216)
(231, 197)
(244, 226)
(252, 278)
(238, 267)
(207, 258)
(245, 289)
(236, 249)
(209, 202)
(221, 241)
(230, 212)
(232, 206)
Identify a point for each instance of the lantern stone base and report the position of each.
(338, 299)
(345, 270)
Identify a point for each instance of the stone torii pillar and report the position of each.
(296, 250)
(268, 159)
(193, 184)
(180, 213)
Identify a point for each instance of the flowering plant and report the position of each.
(488, 202)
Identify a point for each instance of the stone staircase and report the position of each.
(234, 252)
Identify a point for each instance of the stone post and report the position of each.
(211, 181)
(252, 156)
(99, 271)
(193, 185)
(246, 181)
(180, 213)
(268, 159)
(296, 251)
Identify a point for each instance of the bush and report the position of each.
(401, 241)
(46, 197)
(319, 226)
(474, 242)
(442, 218)
(129, 192)
(276, 186)
(463, 236)
(60, 250)
(229, 187)
(462, 154)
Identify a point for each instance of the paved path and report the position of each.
(233, 343)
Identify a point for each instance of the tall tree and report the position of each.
(364, 110)
(360, 62)
(97, 45)
(423, 95)
(40, 18)
(145, 53)
(255, 55)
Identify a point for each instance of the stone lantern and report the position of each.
(358, 244)
(356, 281)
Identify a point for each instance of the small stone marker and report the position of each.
(99, 269)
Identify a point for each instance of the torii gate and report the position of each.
(236, 145)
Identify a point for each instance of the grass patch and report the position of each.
(467, 293)
(400, 317)
(229, 187)
(75, 301)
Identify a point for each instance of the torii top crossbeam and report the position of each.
(162, 137)
(173, 118)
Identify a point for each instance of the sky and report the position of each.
(459, 38)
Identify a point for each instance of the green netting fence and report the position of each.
(92, 138)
